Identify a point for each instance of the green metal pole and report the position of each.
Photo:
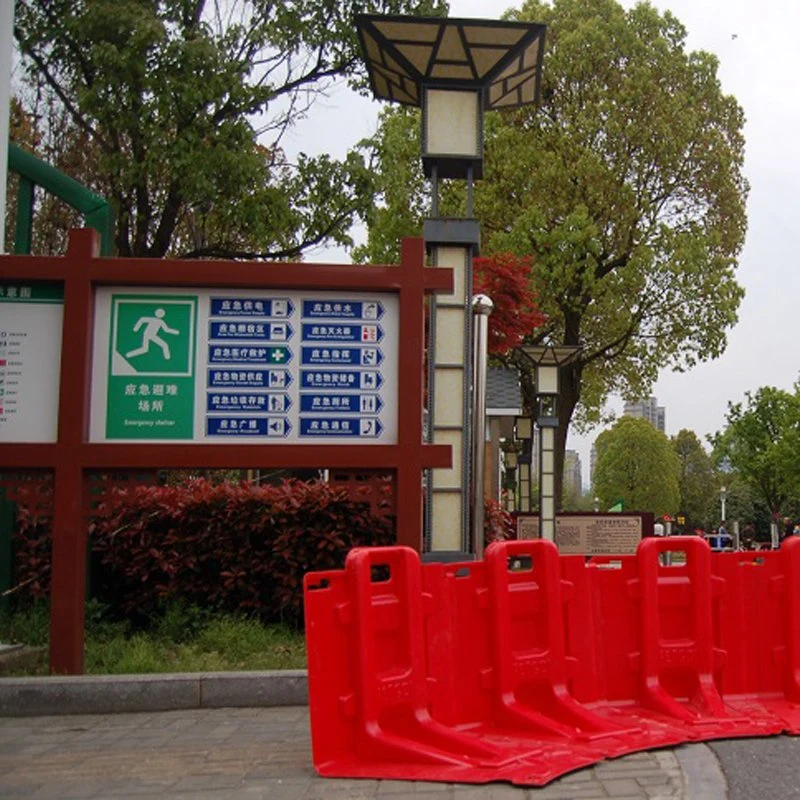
(95, 209)
(23, 234)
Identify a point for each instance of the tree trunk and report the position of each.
(568, 397)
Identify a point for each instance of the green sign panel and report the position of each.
(151, 383)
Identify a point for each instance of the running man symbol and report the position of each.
(153, 327)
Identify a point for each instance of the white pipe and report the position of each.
(6, 50)
(481, 308)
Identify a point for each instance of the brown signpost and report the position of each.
(73, 454)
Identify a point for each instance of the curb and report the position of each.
(702, 772)
(114, 694)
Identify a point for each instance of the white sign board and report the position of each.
(244, 366)
(31, 317)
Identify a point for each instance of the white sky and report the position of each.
(759, 65)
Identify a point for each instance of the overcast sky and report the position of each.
(759, 65)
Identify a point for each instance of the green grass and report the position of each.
(181, 640)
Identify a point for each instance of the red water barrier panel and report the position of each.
(528, 665)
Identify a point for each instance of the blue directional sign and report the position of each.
(222, 402)
(233, 354)
(251, 331)
(344, 356)
(316, 332)
(249, 378)
(341, 309)
(341, 403)
(248, 426)
(251, 307)
(339, 379)
(340, 426)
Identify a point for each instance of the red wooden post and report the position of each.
(408, 476)
(68, 581)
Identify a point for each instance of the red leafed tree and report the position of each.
(506, 279)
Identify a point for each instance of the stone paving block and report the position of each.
(653, 780)
(505, 791)
(559, 791)
(622, 787)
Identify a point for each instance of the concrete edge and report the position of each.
(702, 772)
(113, 694)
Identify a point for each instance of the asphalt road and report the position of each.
(760, 768)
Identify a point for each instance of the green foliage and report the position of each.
(213, 642)
(697, 482)
(635, 463)
(182, 106)
(761, 442)
(625, 186)
(29, 625)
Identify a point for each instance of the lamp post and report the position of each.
(596, 505)
(453, 69)
(723, 495)
(548, 360)
(523, 432)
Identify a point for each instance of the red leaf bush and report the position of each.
(229, 547)
(498, 524)
(232, 547)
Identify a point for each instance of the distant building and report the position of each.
(573, 478)
(648, 409)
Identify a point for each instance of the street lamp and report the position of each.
(548, 360)
(454, 70)
(523, 432)
(722, 497)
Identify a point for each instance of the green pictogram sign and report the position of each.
(151, 367)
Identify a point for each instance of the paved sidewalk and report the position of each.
(227, 754)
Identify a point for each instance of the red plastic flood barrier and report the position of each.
(529, 665)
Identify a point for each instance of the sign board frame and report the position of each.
(73, 455)
(592, 533)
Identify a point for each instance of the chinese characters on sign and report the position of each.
(588, 534)
(205, 365)
(31, 317)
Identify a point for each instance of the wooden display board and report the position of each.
(592, 534)
(393, 444)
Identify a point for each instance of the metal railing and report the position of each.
(33, 172)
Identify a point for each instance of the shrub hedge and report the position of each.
(231, 547)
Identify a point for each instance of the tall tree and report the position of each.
(625, 185)
(636, 464)
(184, 104)
(761, 442)
(697, 483)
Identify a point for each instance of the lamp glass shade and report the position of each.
(524, 427)
(546, 379)
(547, 405)
(511, 459)
(452, 123)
